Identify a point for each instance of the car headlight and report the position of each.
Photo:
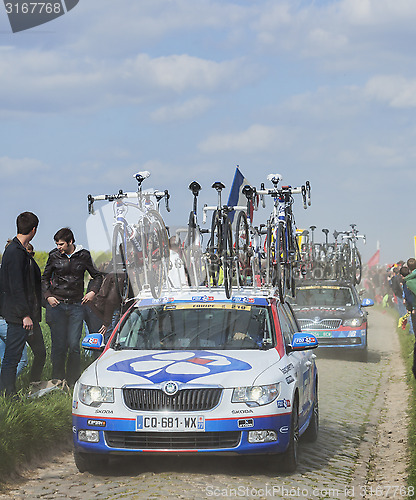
(256, 394)
(93, 395)
(354, 322)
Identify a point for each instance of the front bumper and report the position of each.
(228, 435)
(349, 338)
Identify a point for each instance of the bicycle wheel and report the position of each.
(215, 249)
(119, 262)
(155, 258)
(193, 252)
(281, 255)
(154, 216)
(274, 271)
(242, 242)
(356, 266)
(227, 256)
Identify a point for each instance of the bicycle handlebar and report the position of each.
(304, 190)
(121, 195)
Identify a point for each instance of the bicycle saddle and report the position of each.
(195, 187)
(248, 191)
(274, 178)
(219, 186)
(326, 231)
(141, 176)
(312, 228)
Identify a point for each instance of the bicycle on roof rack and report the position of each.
(250, 255)
(282, 246)
(351, 255)
(220, 252)
(192, 251)
(140, 250)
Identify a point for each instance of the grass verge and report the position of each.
(407, 342)
(33, 427)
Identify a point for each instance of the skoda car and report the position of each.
(334, 313)
(199, 373)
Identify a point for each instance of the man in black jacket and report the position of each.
(63, 289)
(20, 304)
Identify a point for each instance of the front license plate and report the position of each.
(322, 334)
(167, 423)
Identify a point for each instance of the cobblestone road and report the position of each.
(337, 466)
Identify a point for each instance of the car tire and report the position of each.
(311, 433)
(90, 462)
(289, 459)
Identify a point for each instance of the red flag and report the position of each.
(375, 259)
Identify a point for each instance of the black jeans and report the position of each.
(17, 336)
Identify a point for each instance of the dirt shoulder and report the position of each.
(383, 453)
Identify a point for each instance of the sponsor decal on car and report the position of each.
(236, 412)
(246, 423)
(96, 423)
(203, 298)
(107, 412)
(290, 379)
(287, 368)
(181, 366)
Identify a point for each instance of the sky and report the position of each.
(318, 90)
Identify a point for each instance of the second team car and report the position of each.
(334, 312)
(199, 373)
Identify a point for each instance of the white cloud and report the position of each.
(396, 91)
(256, 138)
(48, 82)
(181, 111)
(25, 168)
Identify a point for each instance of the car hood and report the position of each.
(314, 312)
(138, 368)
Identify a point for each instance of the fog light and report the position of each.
(261, 436)
(88, 436)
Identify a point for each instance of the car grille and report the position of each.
(172, 440)
(323, 324)
(183, 400)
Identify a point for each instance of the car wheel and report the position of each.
(311, 433)
(289, 459)
(90, 462)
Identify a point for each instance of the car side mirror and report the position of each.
(303, 341)
(93, 342)
(367, 303)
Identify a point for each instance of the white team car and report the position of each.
(199, 373)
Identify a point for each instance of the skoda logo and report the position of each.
(317, 319)
(170, 388)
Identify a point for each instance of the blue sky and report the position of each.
(188, 89)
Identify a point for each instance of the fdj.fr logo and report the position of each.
(26, 14)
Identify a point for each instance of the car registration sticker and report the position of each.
(170, 423)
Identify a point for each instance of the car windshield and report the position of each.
(323, 296)
(181, 326)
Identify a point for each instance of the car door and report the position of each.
(301, 360)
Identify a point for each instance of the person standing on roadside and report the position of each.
(63, 289)
(20, 304)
